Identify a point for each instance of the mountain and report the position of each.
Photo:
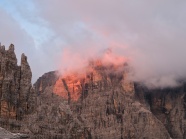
(100, 103)
(16, 92)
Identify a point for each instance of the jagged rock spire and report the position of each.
(15, 84)
(23, 59)
(11, 47)
(2, 48)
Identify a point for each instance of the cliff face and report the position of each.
(15, 85)
(100, 104)
(168, 105)
(48, 79)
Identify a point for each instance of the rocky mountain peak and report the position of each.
(23, 59)
(15, 84)
(96, 76)
(2, 48)
(11, 48)
(97, 103)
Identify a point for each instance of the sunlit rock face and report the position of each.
(96, 77)
(69, 87)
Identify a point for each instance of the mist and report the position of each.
(150, 35)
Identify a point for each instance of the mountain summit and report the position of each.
(100, 102)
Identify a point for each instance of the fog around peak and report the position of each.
(150, 34)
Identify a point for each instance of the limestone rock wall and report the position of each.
(101, 104)
(106, 108)
(15, 84)
(168, 105)
(48, 79)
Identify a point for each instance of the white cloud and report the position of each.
(151, 33)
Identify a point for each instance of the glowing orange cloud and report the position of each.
(80, 60)
(72, 80)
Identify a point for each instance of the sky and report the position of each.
(62, 34)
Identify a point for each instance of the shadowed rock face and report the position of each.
(15, 85)
(168, 105)
(48, 79)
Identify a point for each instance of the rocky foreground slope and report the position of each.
(100, 104)
(4, 134)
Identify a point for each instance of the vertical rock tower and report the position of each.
(15, 85)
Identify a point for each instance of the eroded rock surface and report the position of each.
(15, 85)
(16, 92)
(48, 79)
(4, 134)
(168, 105)
(100, 104)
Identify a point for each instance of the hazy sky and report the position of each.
(151, 34)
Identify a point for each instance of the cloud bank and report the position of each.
(150, 34)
